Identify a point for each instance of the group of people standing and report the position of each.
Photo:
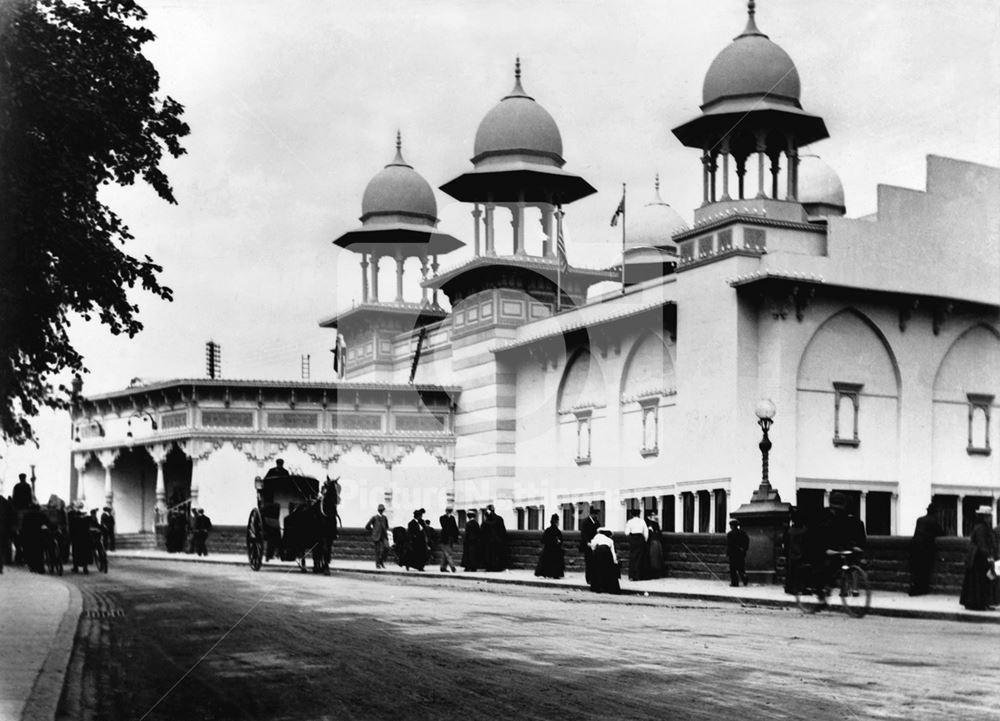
(647, 557)
(187, 529)
(484, 546)
(28, 530)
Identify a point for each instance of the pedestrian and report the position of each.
(202, 527)
(922, 552)
(6, 521)
(32, 521)
(416, 542)
(737, 543)
(977, 586)
(108, 528)
(378, 530)
(798, 564)
(656, 562)
(637, 533)
(79, 538)
(471, 543)
(551, 561)
(22, 496)
(494, 541)
(449, 537)
(588, 529)
(605, 573)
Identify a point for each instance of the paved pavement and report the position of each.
(39, 617)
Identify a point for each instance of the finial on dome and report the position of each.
(656, 189)
(751, 28)
(518, 89)
(398, 160)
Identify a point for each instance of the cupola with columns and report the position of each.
(518, 170)
(398, 222)
(751, 111)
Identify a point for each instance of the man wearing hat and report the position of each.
(840, 530)
(416, 540)
(449, 537)
(378, 528)
(588, 529)
(978, 585)
(108, 528)
(737, 544)
(922, 552)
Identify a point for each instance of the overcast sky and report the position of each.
(293, 107)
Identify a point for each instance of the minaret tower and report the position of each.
(518, 173)
(749, 133)
(398, 222)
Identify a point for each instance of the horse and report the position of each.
(313, 528)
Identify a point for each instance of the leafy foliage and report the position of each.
(79, 109)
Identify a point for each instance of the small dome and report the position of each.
(752, 65)
(518, 125)
(653, 224)
(819, 184)
(398, 189)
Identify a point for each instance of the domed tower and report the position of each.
(650, 251)
(398, 221)
(820, 190)
(750, 105)
(518, 167)
(750, 108)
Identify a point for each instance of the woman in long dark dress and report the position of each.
(606, 573)
(416, 541)
(494, 544)
(470, 543)
(552, 562)
(977, 588)
(656, 565)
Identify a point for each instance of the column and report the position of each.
(490, 238)
(678, 512)
(423, 273)
(706, 161)
(741, 171)
(713, 168)
(107, 459)
(761, 148)
(476, 215)
(517, 224)
(159, 454)
(80, 464)
(375, 262)
(893, 511)
(364, 277)
(725, 170)
(194, 483)
(792, 188)
(826, 498)
(548, 247)
(863, 508)
(696, 526)
(775, 168)
(712, 528)
(400, 262)
(958, 516)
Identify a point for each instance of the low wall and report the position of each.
(688, 555)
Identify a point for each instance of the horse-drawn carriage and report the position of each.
(295, 517)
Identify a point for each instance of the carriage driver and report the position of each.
(270, 513)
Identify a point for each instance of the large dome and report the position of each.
(398, 189)
(752, 65)
(518, 125)
(654, 224)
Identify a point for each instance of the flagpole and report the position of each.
(623, 238)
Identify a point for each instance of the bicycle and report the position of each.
(100, 554)
(849, 579)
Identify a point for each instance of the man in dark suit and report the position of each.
(278, 470)
(470, 547)
(922, 552)
(737, 543)
(449, 537)
(588, 529)
(378, 527)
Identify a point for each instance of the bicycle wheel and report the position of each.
(854, 591)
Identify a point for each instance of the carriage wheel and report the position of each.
(255, 540)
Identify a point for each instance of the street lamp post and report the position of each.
(765, 412)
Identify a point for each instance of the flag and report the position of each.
(620, 211)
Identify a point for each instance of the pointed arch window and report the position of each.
(650, 426)
(582, 437)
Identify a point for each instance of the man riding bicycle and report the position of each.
(839, 531)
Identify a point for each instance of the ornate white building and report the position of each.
(877, 339)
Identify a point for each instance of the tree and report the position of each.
(79, 109)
